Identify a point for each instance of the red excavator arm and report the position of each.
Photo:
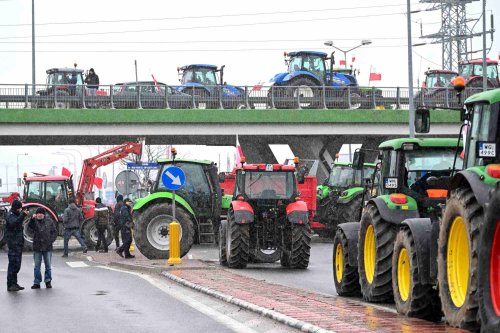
(90, 166)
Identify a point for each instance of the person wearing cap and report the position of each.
(116, 219)
(101, 218)
(92, 81)
(44, 235)
(72, 219)
(15, 241)
(126, 224)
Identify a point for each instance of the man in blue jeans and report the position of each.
(44, 234)
(72, 219)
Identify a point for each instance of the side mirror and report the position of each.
(222, 177)
(358, 160)
(422, 121)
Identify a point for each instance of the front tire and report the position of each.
(345, 276)
(412, 298)
(152, 230)
(375, 247)
(457, 259)
(489, 268)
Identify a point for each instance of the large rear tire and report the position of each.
(489, 269)
(238, 243)
(412, 298)
(297, 246)
(222, 243)
(152, 230)
(345, 276)
(457, 259)
(350, 211)
(89, 233)
(375, 247)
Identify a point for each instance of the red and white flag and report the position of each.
(239, 152)
(375, 76)
(342, 63)
(98, 182)
(353, 58)
(66, 172)
(158, 90)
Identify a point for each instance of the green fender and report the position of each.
(226, 201)
(322, 191)
(395, 213)
(163, 195)
(349, 194)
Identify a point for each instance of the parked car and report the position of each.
(153, 95)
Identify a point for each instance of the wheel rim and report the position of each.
(339, 263)
(27, 232)
(158, 232)
(404, 275)
(458, 261)
(495, 270)
(93, 234)
(303, 92)
(369, 257)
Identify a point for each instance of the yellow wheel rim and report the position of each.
(369, 257)
(404, 275)
(339, 262)
(458, 261)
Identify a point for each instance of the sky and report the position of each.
(249, 40)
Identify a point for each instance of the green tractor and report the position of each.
(339, 198)
(409, 182)
(461, 254)
(198, 206)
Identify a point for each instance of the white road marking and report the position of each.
(221, 318)
(76, 264)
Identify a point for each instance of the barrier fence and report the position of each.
(218, 97)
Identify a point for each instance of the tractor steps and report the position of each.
(206, 233)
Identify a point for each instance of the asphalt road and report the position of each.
(91, 298)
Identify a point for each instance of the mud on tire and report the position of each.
(419, 300)
(379, 289)
(238, 243)
(345, 276)
(462, 209)
(151, 232)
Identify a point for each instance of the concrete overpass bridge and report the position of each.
(311, 134)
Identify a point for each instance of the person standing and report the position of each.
(116, 219)
(44, 235)
(72, 219)
(126, 226)
(15, 241)
(101, 219)
(92, 81)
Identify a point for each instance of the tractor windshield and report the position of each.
(343, 176)
(483, 132)
(439, 80)
(64, 78)
(205, 76)
(468, 70)
(265, 184)
(310, 63)
(438, 161)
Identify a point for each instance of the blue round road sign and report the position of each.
(173, 178)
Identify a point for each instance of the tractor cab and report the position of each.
(51, 191)
(307, 61)
(64, 79)
(436, 78)
(472, 72)
(206, 75)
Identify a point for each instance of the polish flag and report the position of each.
(98, 182)
(66, 172)
(342, 62)
(353, 59)
(239, 152)
(375, 76)
(158, 90)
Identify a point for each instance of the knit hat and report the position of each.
(127, 200)
(16, 204)
(40, 210)
(98, 200)
(119, 198)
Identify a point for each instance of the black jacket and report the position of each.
(72, 217)
(116, 214)
(92, 81)
(44, 233)
(126, 217)
(14, 229)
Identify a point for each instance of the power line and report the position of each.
(206, 16)
(206, 27)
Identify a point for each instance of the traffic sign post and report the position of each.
(173, 178)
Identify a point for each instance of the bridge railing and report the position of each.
(246, 97)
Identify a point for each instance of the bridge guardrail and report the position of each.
(260, 97)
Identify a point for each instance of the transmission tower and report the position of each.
(454, 32)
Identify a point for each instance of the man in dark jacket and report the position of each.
(116, 219)
(101, 218)
(44, 234)
(126, 226)
(72, 219)
(15, 241)
(92, 81)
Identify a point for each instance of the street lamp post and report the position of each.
(67, 155)
(17, 159)
(363, 43)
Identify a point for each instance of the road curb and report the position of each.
(289, 321)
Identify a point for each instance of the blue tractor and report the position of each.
(308, 72)
(206, 84)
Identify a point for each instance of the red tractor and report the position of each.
(472, 72)
(54, 192)
(267, 220)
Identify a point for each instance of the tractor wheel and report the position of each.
(304, 88)
(237, 243)
(62, 100)
(345, 276)
(297, 246)
(89, 233)
(201, 97)
(489, 268)
(350, 211)
(457, 258)
(152, 234)
(27, 232)
(375, 247)
(222, 243)
(413, 299)
(355, 101)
